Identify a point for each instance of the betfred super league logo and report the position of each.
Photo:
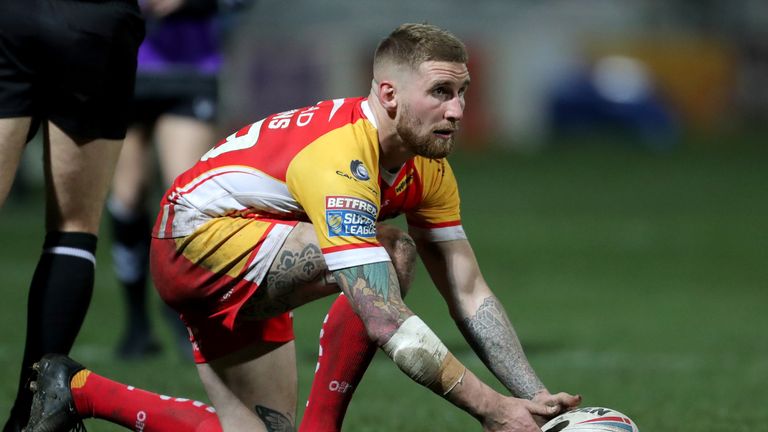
(350, 217)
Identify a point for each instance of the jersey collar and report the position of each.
(388, 176)
(368, 113)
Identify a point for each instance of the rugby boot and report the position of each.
(53, 409)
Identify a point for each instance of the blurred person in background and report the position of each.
(175, 106)
(288, 210)
(68, 66)
(615, 95)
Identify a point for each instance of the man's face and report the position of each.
(430, 107)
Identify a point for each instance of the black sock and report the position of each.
(130, 258)
(59, 296)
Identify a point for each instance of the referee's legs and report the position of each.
(78, 175)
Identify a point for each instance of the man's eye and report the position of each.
(441, 91)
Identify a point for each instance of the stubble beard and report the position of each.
(426, 145)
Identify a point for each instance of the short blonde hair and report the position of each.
(413, 44)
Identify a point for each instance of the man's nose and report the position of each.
(455, 110)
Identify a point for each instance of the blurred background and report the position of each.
(653, 72)
(653, 69)
(621, 214)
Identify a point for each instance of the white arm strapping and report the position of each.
(418, 352)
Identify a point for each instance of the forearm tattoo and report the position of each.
(274, 420)
(493, 338)
(375, 294)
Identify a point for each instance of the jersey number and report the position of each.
(234, 142)
(248, 140)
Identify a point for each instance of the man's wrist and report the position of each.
(474, 397)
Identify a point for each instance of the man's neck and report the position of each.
(393, 153)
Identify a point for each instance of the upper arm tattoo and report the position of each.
(493, 338)
(375, 295)
(293, 278)
(293, 268)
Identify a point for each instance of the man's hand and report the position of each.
(516, 415)
(561, 402)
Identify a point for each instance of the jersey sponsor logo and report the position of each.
(342, 223)
(350, 217)
(408, 179)
(351, 203)
(359, 170)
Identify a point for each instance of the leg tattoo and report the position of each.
(274, 420)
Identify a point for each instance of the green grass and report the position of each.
(638, 280)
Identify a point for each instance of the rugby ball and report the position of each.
(591, 419)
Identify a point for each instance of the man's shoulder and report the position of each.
(427, 166)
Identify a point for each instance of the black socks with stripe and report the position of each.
(59, 296)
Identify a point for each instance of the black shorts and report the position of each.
(186, 93)
(71, 62)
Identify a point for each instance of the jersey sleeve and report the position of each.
(438, 217)
(334, 180)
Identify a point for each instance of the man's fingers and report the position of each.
(548, 407)
(541, 409)
(566, 400)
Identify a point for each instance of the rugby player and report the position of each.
(290, 209)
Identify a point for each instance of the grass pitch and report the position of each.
(638, 280)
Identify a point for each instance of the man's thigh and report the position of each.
(78, 175)
(181, 141)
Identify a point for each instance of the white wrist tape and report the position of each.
(418, 352)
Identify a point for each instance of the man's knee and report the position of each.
(402, 251)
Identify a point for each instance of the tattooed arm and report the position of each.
(482, 320)
(493, 338)
(374, 294)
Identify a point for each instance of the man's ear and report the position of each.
(387, 95)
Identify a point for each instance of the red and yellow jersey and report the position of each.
(317, 164)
